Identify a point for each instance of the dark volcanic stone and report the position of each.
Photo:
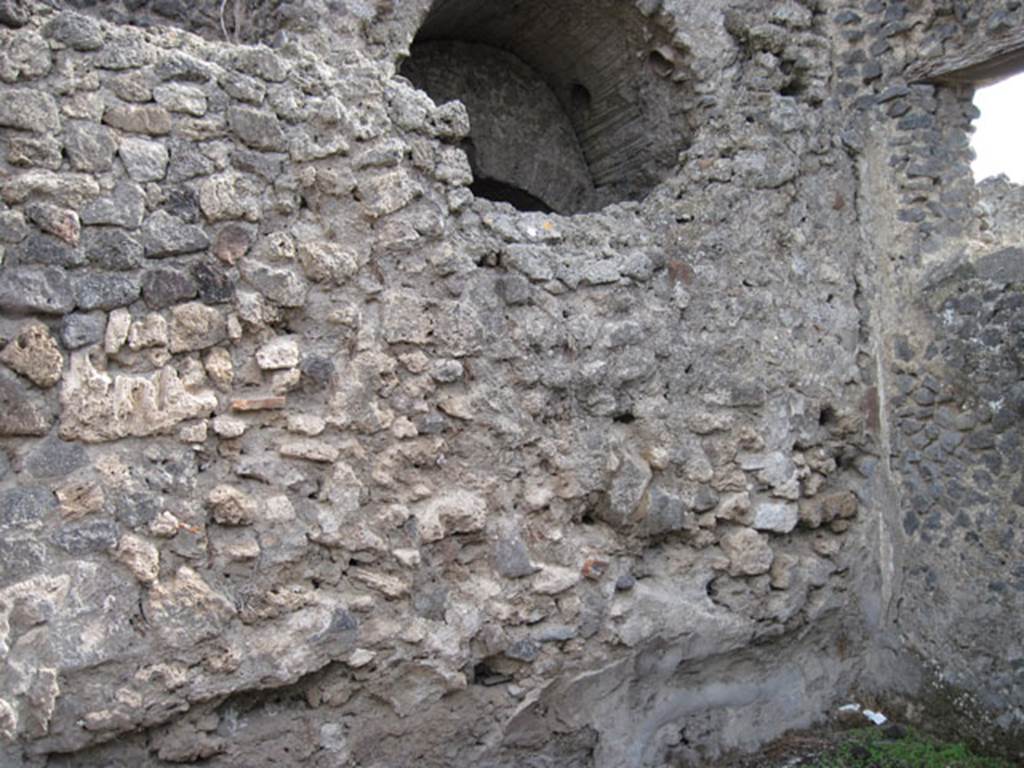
(54, 458)
(13, 228)
(514, 289)
(280, 284)
(166, 235)
(43, 249)
(625, 583)
(215, 286)
(523, 650)
(24, 505)
(88, 536)
(187, 163)
(183, 203)
(343, 621)
(90, 147)
(100, 291)
(112, 249)
(665, 513)
(257, 128)
(13, 13)
(430, 602)
(1003, 266)
(136, 509)
(167, 286)
(80, 329)
(267, 167)
(20, 558)
(125, 208)
(317, 370)
(36, 289)
(75, 31)
(23, 411)
(512, 558)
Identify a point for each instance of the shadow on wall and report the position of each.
(574, 104)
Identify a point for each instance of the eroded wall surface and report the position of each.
(314, 458)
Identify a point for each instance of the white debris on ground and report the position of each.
(875, 717)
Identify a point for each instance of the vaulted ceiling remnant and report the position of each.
(575, 104)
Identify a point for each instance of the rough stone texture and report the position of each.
(163, 288)
(57, 221)
(125, 207)
(257, 129)
(144, 160)
(98, 407)
(28, 110)
(43, 249)
(112, 249)
(35, 355)
(151, 120)
(22, 411)
(100, 291)
(748, 552)
(195, 326)
(90, 147)
(44, 290)
(80, 329)
(356, 463)
(166, 235)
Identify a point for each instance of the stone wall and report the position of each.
(958, 453)
(1002, 212)
(946, 315)
(312, 457)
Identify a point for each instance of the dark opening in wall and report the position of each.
(502, 192)
(574, 104)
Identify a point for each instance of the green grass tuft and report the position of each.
(882, 748)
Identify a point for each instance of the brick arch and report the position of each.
(613, 97)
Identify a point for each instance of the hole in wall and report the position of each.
(484, 673)
(502, 192)
(827, 417)
(661, 62)
(573, 104)
(997, 132)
